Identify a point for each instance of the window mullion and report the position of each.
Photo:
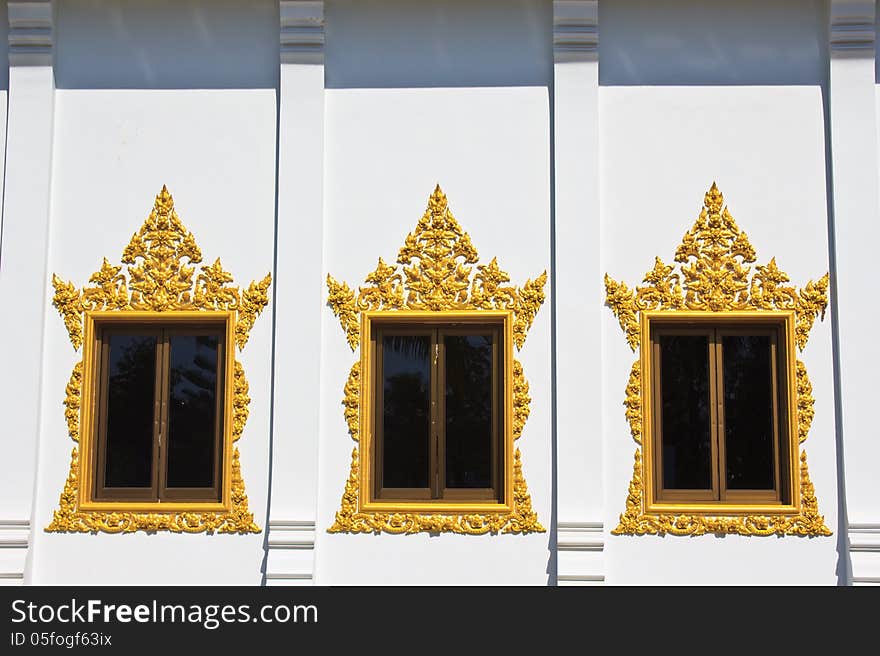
(438, 371)
(160, 445)
(720, 457)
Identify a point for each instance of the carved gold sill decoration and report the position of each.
(714, 277)
(161, 284)
(433, 276)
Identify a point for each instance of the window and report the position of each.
(439, 419)
(159, 411)
(720, 417)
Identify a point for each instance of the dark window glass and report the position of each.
(406, 412)
(686, 429)
(130, 402)
(468, 411)
(748, 412)
(192, 410)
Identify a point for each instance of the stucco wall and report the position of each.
(317, 163)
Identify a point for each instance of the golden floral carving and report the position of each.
(67, 301)
(620, 299)
(714, 277)
(636, 522)
(805, 401)
(351, 400)
(240, 401)
(161, 278)
(522, 520)
(812, 301)
(342, 302)
(633, 401)
(521, 400)
(161, 258)
(435, 272)
(72, 400)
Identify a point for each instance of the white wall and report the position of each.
(661, 147)
(113, 150)
(385, 149)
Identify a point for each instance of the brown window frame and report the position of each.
(719, 494)
(437, 492)
(158, 492)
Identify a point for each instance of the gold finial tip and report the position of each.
(164, 201)
(714, 198)
(437, 201)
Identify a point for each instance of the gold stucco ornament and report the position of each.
(437, 270)
(160, 282)
(715, 276)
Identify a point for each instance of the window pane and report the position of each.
(684, 385)
(748, 412)
(192, 404)
(406, 414)
(130, 398)
(468, 411)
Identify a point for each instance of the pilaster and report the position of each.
(856, 230)
(578, 291)
(299, 289)
(23, 275)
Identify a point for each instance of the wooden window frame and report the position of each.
(158, 497)
(784, 498)
(437, 497)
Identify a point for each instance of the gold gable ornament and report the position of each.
(161, 259)
(432, 273)
(715, 277)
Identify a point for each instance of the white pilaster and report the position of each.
(580, 550)
(23, 276)
(864, 550)
(14, 541)
(578, 292)
(302, 32)
(299, 290)
(852, 101)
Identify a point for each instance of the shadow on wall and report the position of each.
(446, 43)
(876, 42)
(167, 44)
(713, 42)
(4, 46)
